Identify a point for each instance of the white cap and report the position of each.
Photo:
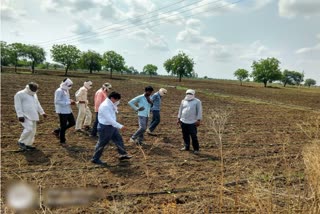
(190, 91)
(162, 91)
(87, 84)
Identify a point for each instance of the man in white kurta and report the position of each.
(28, 108)
(84, 114)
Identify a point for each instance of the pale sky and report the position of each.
(220, 35)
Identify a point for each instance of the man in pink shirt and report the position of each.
(99, 97)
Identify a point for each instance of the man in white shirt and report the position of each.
(28, 108)
(108, 128)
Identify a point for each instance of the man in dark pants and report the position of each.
(189, 117)
(156, 100)
(108, 128)
(62, 103)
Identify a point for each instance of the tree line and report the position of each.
(69, 56)
(268, 71)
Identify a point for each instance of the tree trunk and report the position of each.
(15, 66)
(284, 85)
(32, 67)
(265, 84)
(241, 82)
(90, 70)
(180, 76)
(110, 73)
(67, 68)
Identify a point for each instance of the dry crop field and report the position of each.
(252, 144)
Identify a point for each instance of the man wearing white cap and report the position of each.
(189, 117)
(156, 99)
(84, 114)
(62, 103)
(28, 108)
(99, 97)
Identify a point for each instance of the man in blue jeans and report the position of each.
(156, 100)
(189, 117)
(142, 104)
(108, 128)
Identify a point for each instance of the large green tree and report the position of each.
(180, 65)
(310, 82)
(16, 51)
(5, 54)
(113, 62)
(266, 70)
(36, 55)
(150, 69)
(291, 78)
(67, 55)
(90, 60)
(241, 74)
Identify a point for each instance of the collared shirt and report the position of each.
(107, 114)
(27, 105)
(190, 111)
(82, 94)
(156, 99)
(62, 101)
(141, 101)
(99, 97)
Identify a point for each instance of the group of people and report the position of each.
(105, 126)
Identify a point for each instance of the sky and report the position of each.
(220, 35)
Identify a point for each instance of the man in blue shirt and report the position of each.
(142, 104)
(156, 99)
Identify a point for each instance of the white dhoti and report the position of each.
(29, 131)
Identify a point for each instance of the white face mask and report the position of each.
(116, 103)
(189, 97)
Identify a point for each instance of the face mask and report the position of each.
(116, 103)
(189, 97)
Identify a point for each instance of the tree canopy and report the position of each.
(310, 82)
(180, 65)
(113, 62)
(36, 54)
(291, 78)
(266, 70)
(67, 55)
(241, 74)
(90, 60)
(150, 69)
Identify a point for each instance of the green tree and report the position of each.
(266, 70)
(291, 78)
(36, 55)
(90, 60)
(67, 55)
(16, 51)
(113, 62)
(241, 74)
(150, 69)
(310, 82)
(180, 65)
(5, 54)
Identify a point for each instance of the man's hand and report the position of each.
(21, 119)
(197, 123)
(123, 128)
(178, 122)
(72, 102)
(45, 115)
(141, 108)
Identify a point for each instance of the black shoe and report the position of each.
(63, 142)
(30, 147)
(184, 149)
(98, 162)
(125, 157)
(55, 133)
(22, 146)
